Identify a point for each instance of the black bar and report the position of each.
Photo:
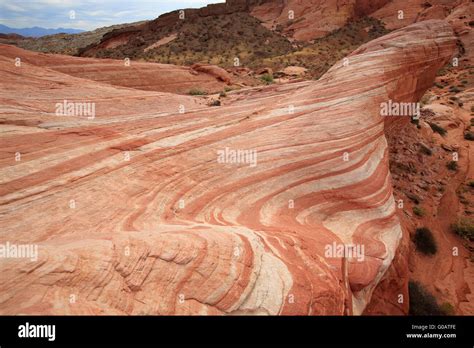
(242, 330)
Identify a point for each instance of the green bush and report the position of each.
(418, 211)
(421, 301)
(454, 89)
(425, 150)
(447, 308)
(464, 228)
(413, 197)
(267, 78)
(452, 165)
(469, 136)
(438, 129)
(196, 91)
(424, 241)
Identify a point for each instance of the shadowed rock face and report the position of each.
(316, 18)
(180, 228)
(307, 20)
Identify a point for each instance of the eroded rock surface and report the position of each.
(141, 212)
(127, 73)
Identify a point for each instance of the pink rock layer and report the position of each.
(138, 75)
(139, 212)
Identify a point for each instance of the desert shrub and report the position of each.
(267, 78)
(425, 99)
(454, 89)
(438, 129)
(469, 135)
(441, 72)
(424, 241)
(452, 165)
(471, 183)
(196, 91)
(464, 228)
(425, 150)
(216, 102)
(421, 301)
(447, 308)
(418, 211)
(413, 197)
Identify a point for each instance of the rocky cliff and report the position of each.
(239, 209)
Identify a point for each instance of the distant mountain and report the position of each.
(61, 43)
(37, 31)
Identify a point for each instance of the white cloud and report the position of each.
(90, 14)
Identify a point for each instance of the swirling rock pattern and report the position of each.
(176, 227)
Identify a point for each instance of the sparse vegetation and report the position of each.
(267, 78)
(196, 91)
(469, 135)
(454, 89)
(418, 211)
(437, 128)
(216, 40)
(464, 228)
(425, 149)
(319, 56)
(452, 165)
(424, 241)
(413, 197)
(421, 301)
(447, 308)
(425, 99)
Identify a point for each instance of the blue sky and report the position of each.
(89, 14)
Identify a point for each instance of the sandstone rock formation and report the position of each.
(307, 20)
(142, 212)
(138, 75)
(415, 11)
